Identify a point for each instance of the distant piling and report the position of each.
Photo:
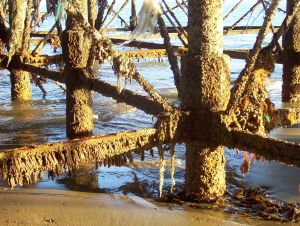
(291, 56)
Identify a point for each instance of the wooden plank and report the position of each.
(156, 53)
(239, 30)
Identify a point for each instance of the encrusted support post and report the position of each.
(20, 85)
(133, 18)
(291, 67)
(92, 12)
(82, 6)
(205, 86)
(102, 4)
(20, 80)
(76, 49)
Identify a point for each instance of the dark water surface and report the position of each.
(43, 120)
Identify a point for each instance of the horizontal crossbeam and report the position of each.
(235, 31)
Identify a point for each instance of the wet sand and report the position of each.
(60, 207)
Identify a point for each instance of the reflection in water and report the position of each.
(83, 180)
(21, 125)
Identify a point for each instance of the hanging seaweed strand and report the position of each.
(172, 166)
(162, 164)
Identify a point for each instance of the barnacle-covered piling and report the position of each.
(76, 51)
(291, 67)
(205, 88)
(20, 80)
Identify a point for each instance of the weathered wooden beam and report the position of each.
(157, 53)
(178, 51)
(133, 17)
(138, 44)
(43, 60)
(241, 54)
(268, 148)
(53, 75)
(36, 41)
(126, 36)
(240, 30)
(143, 103)
(210, 127)
(41, 34)
(19, 166)
(102, 4)
(145, 53)
(39, 60)
(172, 58)
(43, 42)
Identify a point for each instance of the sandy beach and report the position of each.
(60, 207)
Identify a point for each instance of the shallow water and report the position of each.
(43, 120)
